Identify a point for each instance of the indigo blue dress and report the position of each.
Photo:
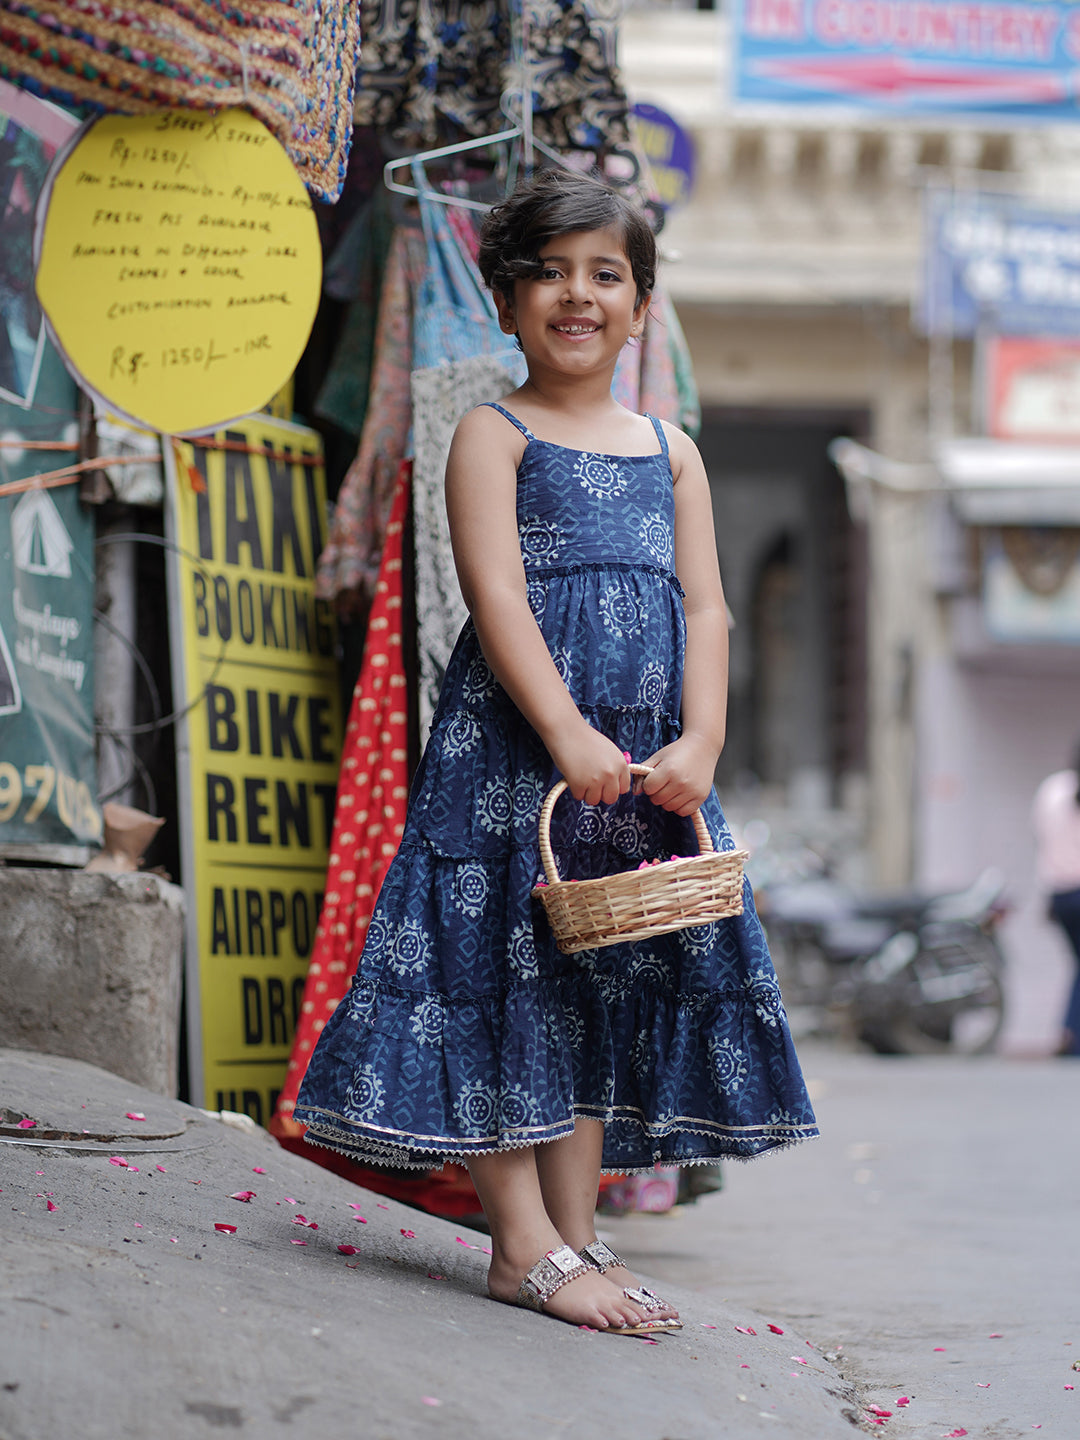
(466, 1030)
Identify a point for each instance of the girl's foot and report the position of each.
(604, 1260)
(587, 1298)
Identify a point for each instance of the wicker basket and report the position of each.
(692, 890)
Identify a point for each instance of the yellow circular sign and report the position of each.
(178, 265)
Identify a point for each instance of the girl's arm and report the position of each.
(481, 505)
(683, 771)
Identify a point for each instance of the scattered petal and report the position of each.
(39, 1172)
(708, 1327)
(590, 1331)
(983, 1384)
(746, 1329)
(26, 1125)
(776, 1329)
(877, 1410)
(118, 1160)
(49, 1205)
(138, 1225)
(955, 1434)
(360, 1218)
(226, 1229)
(646, 1341)
(134, 1169)
(246, 1195)
(174, 1239)
(429, 1400)
(257, 1170)
(800, 1359)
(409, 1234)
(348, 1250)
(904, 1400)
(1070, 1387)
(996, 1335)
(432, 1276)
(940, 1350)
(290, 1201)
(382, 1206)
(297, 1242)
(134, 1115)
(303, 1220)
(161, 1168)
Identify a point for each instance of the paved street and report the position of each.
(941, 1208)
(924, 1248)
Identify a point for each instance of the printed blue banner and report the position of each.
(997, 263)
(905, 57)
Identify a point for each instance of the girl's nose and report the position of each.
(578, 289)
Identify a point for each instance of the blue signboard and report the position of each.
(669, 151)
(911, 57)
(997, 262)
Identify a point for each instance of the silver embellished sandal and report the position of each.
(556, 1269)
(598, 1256)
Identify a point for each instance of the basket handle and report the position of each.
(547, 855)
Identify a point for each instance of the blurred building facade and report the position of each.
(865, 689)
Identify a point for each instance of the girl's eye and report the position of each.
(608, 275)
(549, 272)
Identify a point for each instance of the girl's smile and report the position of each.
(583, 299)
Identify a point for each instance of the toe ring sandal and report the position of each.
(556, 1269)
(601, 1257)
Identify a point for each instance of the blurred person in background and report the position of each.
(1056, 818)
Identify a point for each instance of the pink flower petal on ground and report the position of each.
(225, 1229)
(290, 1201)
(303, 1220)
(39, 1172)
(590, 1331)
(955, 1434)
(646, 1341)
(746, 1329)
(877, 1410)
(708, 1327)
(904, 1400)
(409, 1234)
(174, 1239)
(776, 1329)
(429, 1400)
(297, 1242)
(382, 1206)
(983, 1384)
(26, 1125)
(138, 1225)
(134, 1169)
(161, 1168)
(246, 1195)
(360, 1218)
(49, 1205)
(134, 1115)
(800, 1359)
(996, 1335)
(257, 1170)
(118, 1160)
(348, 1250)
(940, 1350)
(432, 1276)
(1070, 1387)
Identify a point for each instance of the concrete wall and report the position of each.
(90, 968)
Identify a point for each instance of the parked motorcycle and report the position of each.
(906, 974)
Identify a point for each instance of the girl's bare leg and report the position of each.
(522, 1232)
(569, 1174)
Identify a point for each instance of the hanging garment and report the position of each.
(655, 376)
(349, 564)
(426, 62)
(441, 396)
(293, 65)
(370, 815)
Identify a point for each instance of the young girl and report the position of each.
(584, 543)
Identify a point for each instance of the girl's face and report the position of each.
(580, 310)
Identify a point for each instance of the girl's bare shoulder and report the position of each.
(685, 456)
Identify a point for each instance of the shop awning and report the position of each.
(998, 482)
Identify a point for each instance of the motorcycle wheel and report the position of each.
(948, 1000)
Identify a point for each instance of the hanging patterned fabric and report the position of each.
(372, 790)
(654, 376)
(349, 564)
(292, 63)
(426, 62)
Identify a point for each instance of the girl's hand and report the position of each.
(593, 767)
(682, 775)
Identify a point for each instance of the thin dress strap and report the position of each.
(660, 433)
(512, 418)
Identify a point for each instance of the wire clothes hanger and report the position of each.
(521, 128)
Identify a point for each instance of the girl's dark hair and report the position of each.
(560, 202)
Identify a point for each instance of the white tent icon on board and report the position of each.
(41, 542)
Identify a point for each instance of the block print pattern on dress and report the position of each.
(482, 1034)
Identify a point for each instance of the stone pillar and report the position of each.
(90, 968)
